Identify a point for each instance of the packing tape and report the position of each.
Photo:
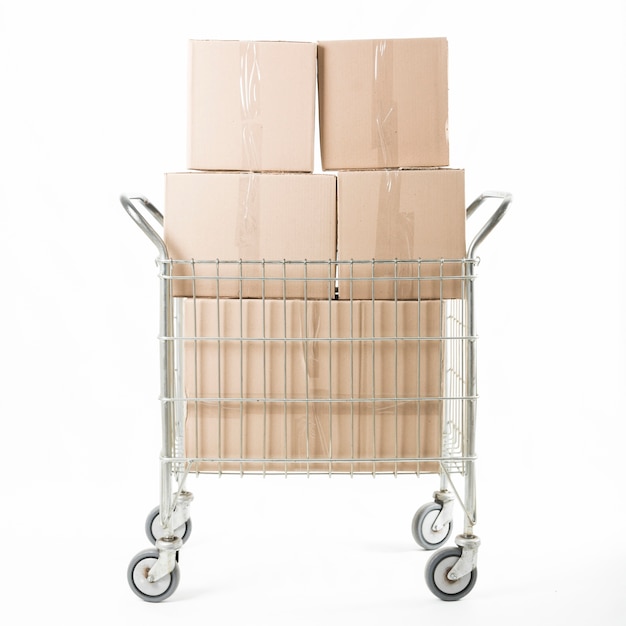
(384, 106)
(247, 231)
(250, 93)
(395, 230)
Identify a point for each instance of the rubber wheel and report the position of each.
(154, 530)
(137, 578)
(437, 580)
(422, 527)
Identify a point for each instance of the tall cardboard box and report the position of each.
(251, 105)
(400, 382)
(211, 216)
(405, 215)
(383, 103)
(333, 382)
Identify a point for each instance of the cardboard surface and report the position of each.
(230, 216)
(324, 381)
(383, 103)
(251, 105)
(405, 215)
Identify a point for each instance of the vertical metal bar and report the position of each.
(330, 372)
(241, 361)
(470, 430)
(287, 348)
(264, 371)
(179, 389)
(448, 404)
(373, 330)
(395, 367)
(352, 450)
(418, 430)
(443, 405)
(306, 366)
(166, 355)
(195, 361)
(218, 334)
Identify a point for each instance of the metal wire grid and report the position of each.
(418, 276)
(455, 385)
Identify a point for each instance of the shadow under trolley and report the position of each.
(279, 367)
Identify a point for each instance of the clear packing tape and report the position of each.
(385, 108)
(247, 235)
(250, 92)
(394, 229)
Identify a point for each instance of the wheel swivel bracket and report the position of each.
(469, 557)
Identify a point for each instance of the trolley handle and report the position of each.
(142, 222)
(127, 202)
(498, 214)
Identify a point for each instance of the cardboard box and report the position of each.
(405, 215)
(325, 381)
(251, 105)
(383, 103)
(214, 216)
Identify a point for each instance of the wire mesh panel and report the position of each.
(307, 378)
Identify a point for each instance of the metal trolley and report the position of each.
(356, 385)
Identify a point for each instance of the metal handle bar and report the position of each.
(140, 220)
(491, 223)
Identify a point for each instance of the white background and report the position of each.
(93, 104)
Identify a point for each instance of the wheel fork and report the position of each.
(181, 510)
(469, 556)
(446, 499)
(168, 547)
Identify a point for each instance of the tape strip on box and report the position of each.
(384, 105)
(249, 210)
(250, 92)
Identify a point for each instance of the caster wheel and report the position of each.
(422, 527)
(154, 530)
(437, 580)
(138, 578)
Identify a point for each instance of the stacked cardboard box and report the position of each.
(250, 136)
(250, 216)
(384, 112)
(326, 382)
(274, 366)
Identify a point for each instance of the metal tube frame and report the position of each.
(468, 542)
(472, 361)
(170, 460)
(170, 518)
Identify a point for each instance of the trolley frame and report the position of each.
(173, 510)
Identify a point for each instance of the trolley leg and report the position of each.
(469, 438)
(181, 512)
(166, 499)
(174, 510)
(470, 499)
(468, 542)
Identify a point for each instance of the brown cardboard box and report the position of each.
(405, 215)
(325, 381)
(251, 105)
(249, 216)
(383, 103)
(255, 391)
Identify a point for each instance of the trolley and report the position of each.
(371, 369)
